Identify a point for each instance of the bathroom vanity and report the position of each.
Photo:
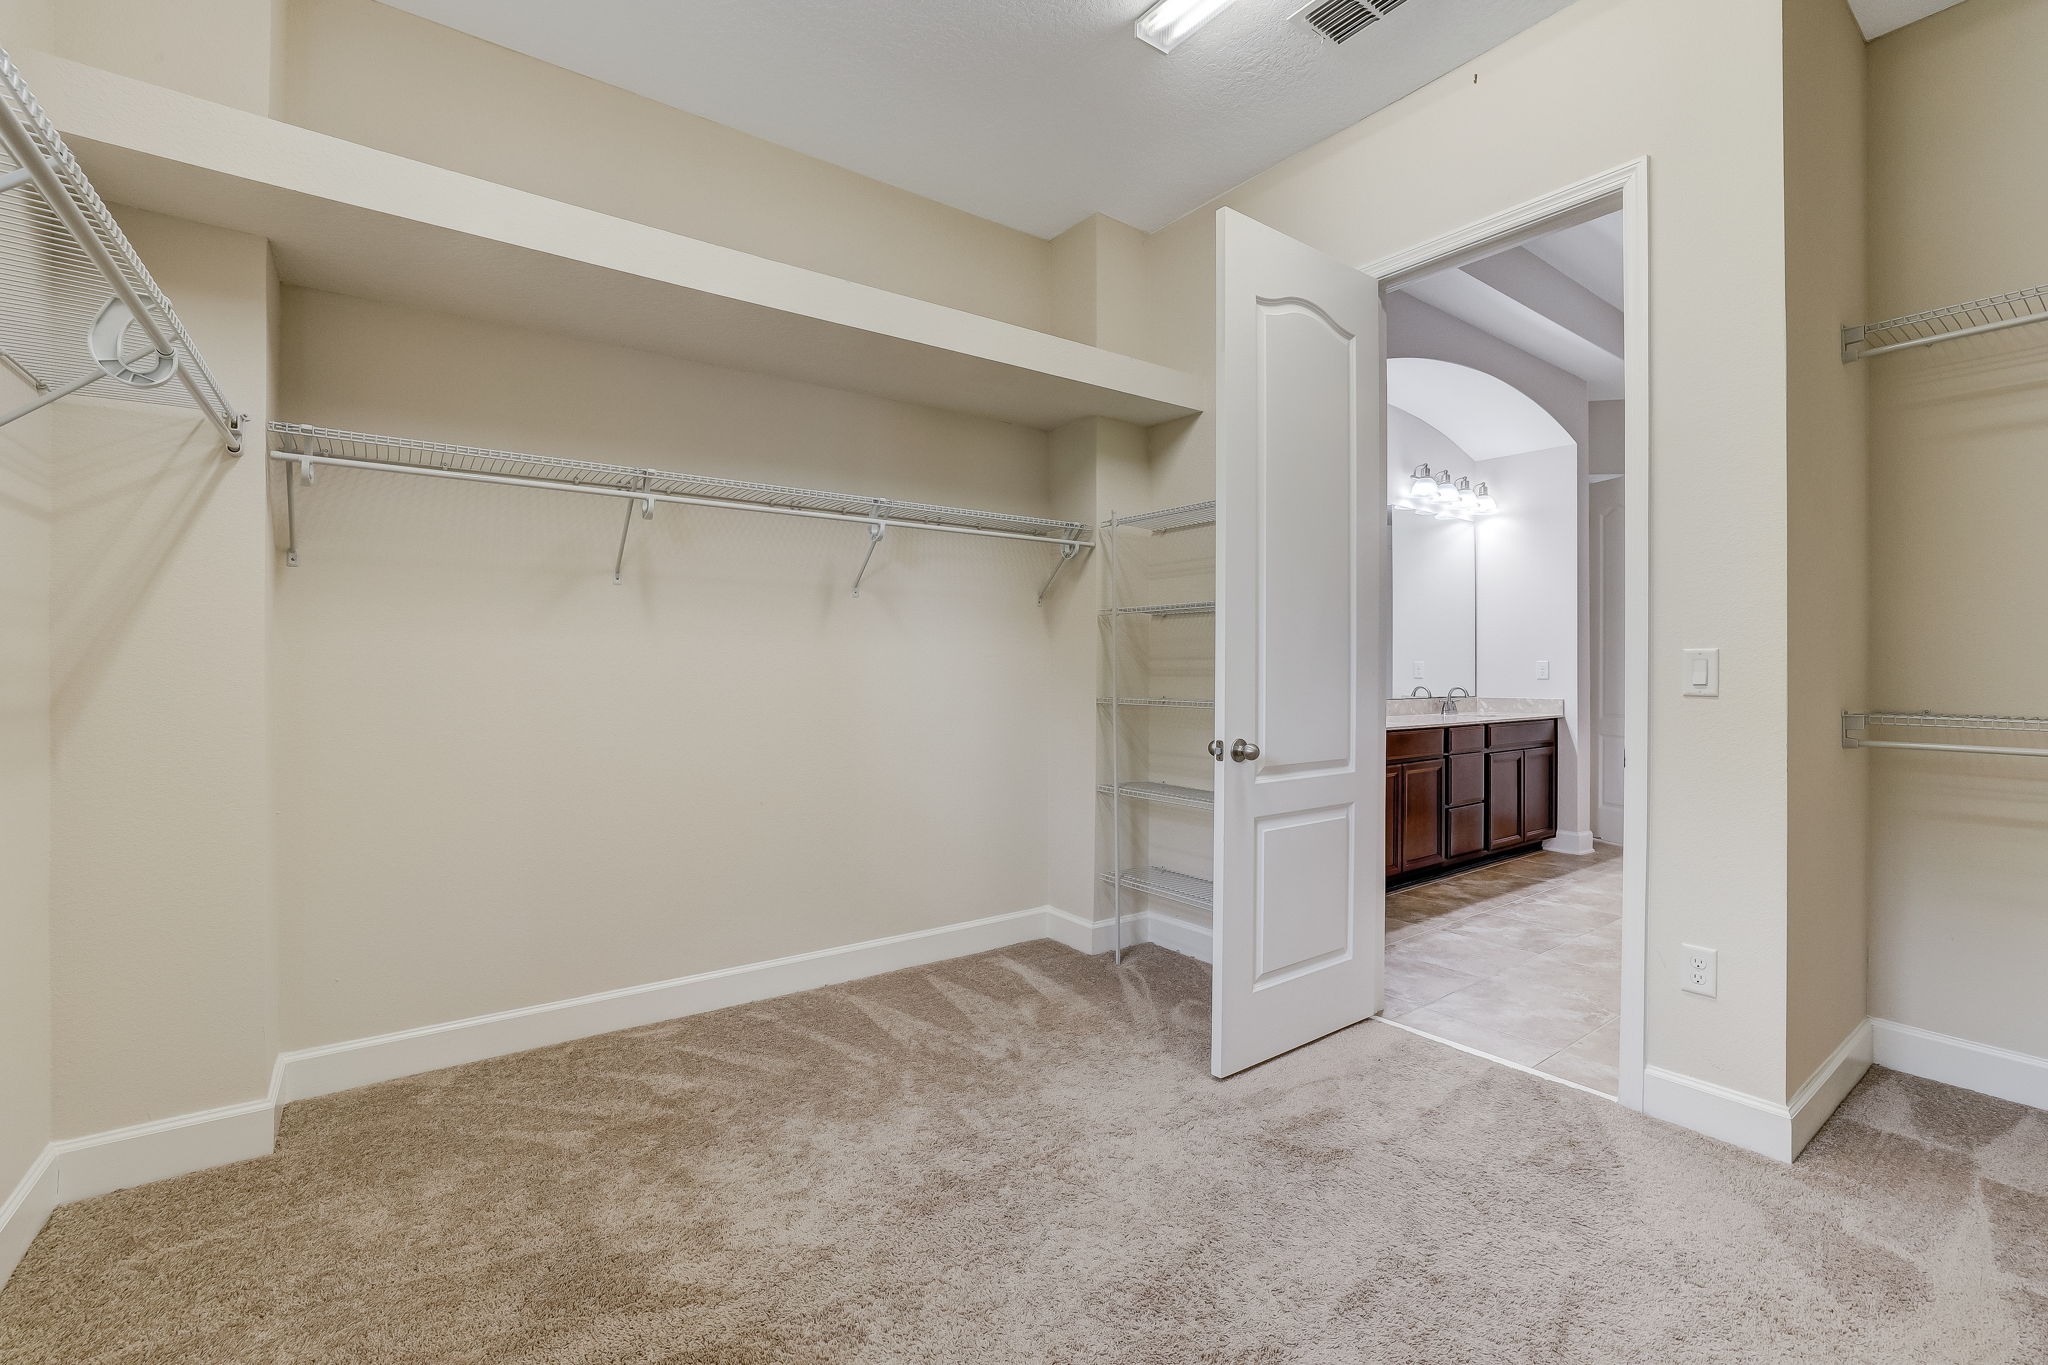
(1462, 789)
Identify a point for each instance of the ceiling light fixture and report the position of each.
(1171, 22)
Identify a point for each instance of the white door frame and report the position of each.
(1591, 198)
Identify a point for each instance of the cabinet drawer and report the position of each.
(1464, 831)
(1415, 743)
(1466, 780)
(1521, 734)
(1465, 739)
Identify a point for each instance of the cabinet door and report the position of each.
(1504, 799)
(1422, 814)
(1393, 821)
(1539, 813)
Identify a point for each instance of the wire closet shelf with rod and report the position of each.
(83, 313)
(307, 448)
(1157, 616)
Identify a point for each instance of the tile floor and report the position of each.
(1520, 959)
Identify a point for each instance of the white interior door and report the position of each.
(1300, 892)
(1610, 656)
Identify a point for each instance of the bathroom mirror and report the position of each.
(1434, 638)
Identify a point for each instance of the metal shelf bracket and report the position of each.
(646, 507)
(1067, 552)
(875, 532)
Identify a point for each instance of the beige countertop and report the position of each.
(1414, 713)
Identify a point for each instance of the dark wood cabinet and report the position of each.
(1461, 793)
(1415, 796)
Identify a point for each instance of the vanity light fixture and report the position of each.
(1423, 485)
(1171, 22)
(1468, 501)
(1486, 506)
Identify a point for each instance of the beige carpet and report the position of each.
(1020, 1157)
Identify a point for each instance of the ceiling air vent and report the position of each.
(1338, 20)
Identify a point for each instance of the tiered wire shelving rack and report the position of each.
(1149, 879)
(83, 312)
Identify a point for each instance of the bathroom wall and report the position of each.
(1958, 857)
(1529, 595)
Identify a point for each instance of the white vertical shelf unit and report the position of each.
(83, 311)
(1133, 612)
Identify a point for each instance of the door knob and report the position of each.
(1243, 750)
(1216, 749)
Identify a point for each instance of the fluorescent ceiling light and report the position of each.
(1167, 24)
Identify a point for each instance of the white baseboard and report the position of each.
(26, 1210)
(1829, 1085)
(122, 1157)
(1989, 1070)
(364, 1061)
(1578, 842)
(1766, 1127)
(1144, 926)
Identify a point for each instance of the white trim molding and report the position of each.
(1146, 926)
(1995, 1071)
(1576, 842)
(114, 1160)
(1628, 187)
(1766, 1127)
(365, 1061)
(27, 1209)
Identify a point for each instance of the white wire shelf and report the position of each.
(308, 446)
(1164, 881)
(1165, 609)
(1856, 726)
(1978, 316)
(1185, 518)
(82, 311)
(1197, 703)
(1165, 793)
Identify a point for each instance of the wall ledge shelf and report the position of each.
(1978, 316)
(1164, 609)
(353, 220)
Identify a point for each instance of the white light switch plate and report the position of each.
(1702, 672)
(1542, 669)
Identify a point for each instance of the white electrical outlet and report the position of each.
(1699, 969)
(1542, 669)
(1418, 668)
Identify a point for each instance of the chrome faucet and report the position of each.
(1450, 703)
(1420, 691)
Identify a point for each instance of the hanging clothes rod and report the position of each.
(82, 307)
(1974, 318)
(1856, 724)
(309, 446)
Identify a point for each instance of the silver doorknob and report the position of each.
(1216, 749)
(1244, 750)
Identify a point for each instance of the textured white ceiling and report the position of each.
(1882, 16)
(1033, 113)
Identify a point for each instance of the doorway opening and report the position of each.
(1515, 894)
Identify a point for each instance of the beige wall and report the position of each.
(162, 952)
(378, 76)
(1827, 513)
(1615, 80)
(24, 788)
(504, 780)
(1958, 858)
(221, 50)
